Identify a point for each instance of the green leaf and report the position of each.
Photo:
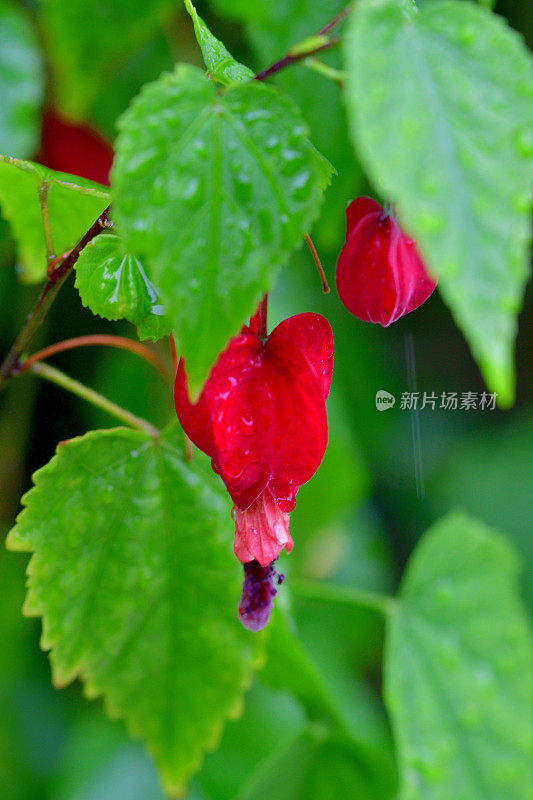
(21, 83)
(84, 61)
(318, 765)
(134, 577)
(441, 112)
(73, 205)
(156, 325)
(458, 669)
(213, 191)
(218, 60)
(113, 284)
(272, 30)
(499, 494)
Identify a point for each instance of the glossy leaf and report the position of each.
(458, 669)
(156, 325)
(134, 577)
(441, 110)
(213, 191)
(218, 60)
(112, 282)
(271, 31)
(73, 205)
(114, 285)
(21, 83)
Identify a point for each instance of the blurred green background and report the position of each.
(357, 520)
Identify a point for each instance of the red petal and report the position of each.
(359, 208)
(298, 433)
(239, 408)
(380, 276)
(194, 419)
(262, 414)
(312, 333)
(75, 148)
(262, 531)
(414, 282)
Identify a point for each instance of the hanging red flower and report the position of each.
(380, 275)
(261, 418)
(74, 147)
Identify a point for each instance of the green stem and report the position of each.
(43, 197)
(75, 387)
(11, 362)
(333, 74)
(343, 595)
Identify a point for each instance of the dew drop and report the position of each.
(257, 113)
(523, 142)
(242, 186)
(411, 127)
(470, 716)
(300, 181)
(444, 592)
(429, 185)
(525, 88)
(467, 34)
(451, 655)
(431, 221)
(199, 145)
(521, 203)
(191, 189)
(414, 778)
(158, 195)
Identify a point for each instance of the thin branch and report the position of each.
(173, 353)
(335, 21)
(289, 60)
(336, 75)
(99, 339)
(75, 387)
(318, 263)
(43, 202)
(298, 54)
(263, 317)
(46, 298)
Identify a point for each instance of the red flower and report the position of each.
(380, 275)
(261, 418)
(75, 148)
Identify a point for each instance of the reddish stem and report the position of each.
(312, 248)
(11, 362)
(263, 313)
(188, 447)
(97, 339)
(335, 21)
(288, 60)
(173, 353)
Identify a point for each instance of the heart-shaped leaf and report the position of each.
(134, 576)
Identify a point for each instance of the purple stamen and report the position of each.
(258, 592)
